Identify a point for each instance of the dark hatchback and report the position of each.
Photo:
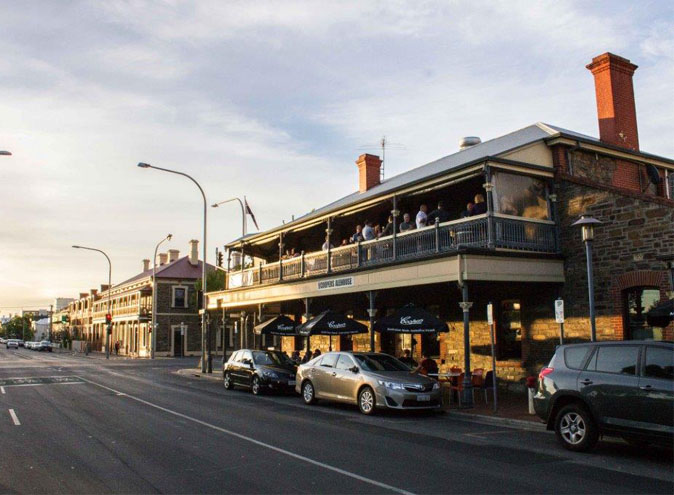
(623, 389)
(259, 371)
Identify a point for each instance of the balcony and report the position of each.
(131, 311)
(497, 232)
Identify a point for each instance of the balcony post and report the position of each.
(358, 253)
(328, 231)
(302, 265)
(280, 257)
(259, 276)
(395, 212)
(229, 266)
(552, 198)
(437, 234)
(489, 188)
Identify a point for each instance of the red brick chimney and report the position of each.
(369, 167)
(615, 100)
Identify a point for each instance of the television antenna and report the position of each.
(383, 145)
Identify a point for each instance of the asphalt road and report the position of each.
(75, 424)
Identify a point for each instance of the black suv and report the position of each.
(621, 389)
(259, 371)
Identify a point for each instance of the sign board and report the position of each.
(559, 310)
(335, 283)
(490, 314)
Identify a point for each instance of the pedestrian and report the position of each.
(480, 206)
(427, 366)
(368, 231)
(307, 356)
(439, 213)
(296, 357)
(468, 211)
(408, 359)
(407, 223)
(317, 353)
(327, 244)
(117, 347)
(388, 230)
(358, 235)
(422, 217)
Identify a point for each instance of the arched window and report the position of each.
(637, 302)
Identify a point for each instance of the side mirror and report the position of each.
(354, 369)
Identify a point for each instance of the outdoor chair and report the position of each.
(487, 385)
(457, 387)
(477, 380)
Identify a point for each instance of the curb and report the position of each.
(497, 421)
(196, 373)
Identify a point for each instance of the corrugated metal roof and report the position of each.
(180, 268)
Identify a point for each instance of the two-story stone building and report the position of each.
(517, 250)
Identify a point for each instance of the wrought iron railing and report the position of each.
(503, 232)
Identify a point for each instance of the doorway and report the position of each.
(178, 348)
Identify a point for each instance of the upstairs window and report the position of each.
(638, 301)
(520, 196)
(179, 297)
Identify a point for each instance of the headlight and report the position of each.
(436, 386)
(269, 374)
(392, 385)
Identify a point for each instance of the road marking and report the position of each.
(257, 442)
(2, 390)
(14, 417)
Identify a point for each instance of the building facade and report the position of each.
(518, 251)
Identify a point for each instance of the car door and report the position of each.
(247, 368)
(656, 390)
(233, 367)
(610, 385)
(324, 376)
(345, 380)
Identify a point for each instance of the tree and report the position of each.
(18, 328)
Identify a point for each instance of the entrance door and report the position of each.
(177, 343)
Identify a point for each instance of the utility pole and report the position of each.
(51, 319)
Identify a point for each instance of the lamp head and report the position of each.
(76, 247)
(214, 205)
(169, 237)
(587, 224)
(144, 165)
(5, 153)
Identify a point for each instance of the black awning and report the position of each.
(411, 319)
(661, 315)
(331, 323)
(280, 325)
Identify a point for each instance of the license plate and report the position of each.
(291, 382)
(423, 398)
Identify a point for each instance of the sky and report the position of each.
(274, 101)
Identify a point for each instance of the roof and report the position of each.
(491, 148)
(180, 268)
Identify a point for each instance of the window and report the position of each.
(638, 301)
(659, 363)
(520, 195)
(179, 297)
(509, 330)
(246, 356)
(670, 185)
(621, 359)
(344, 362)
(574, 357)
(329, 360)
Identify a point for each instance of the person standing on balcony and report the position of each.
(468, 211)
(368, 231)
(327, 245)
(388, 230)
(440, 213)
(422, 217)
(407, 224)
(358, 236)
(480, 206)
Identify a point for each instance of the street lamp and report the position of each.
(108, 330)
(587, 224)
(204, 330)
(153, 337)
(243, 212)
(5, 153)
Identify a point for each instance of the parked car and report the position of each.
(12, 343)
(29, 344)
(45, 345)
(259, 371)
(370, 380)
(21, 342)
(3, 340)
(623, 389)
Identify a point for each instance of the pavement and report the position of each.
(75, 424)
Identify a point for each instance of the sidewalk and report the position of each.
(216, 376)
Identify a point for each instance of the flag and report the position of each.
(250, 212)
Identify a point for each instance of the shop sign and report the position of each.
(335, 283)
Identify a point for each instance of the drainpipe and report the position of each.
(467, 400)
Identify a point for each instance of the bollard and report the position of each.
(531, 390)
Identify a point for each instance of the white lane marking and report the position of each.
(2, 390)
(14, 417)
(258, 442)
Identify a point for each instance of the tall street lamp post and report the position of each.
(243, 212)
(206, 364)
(153, 324)
(108, 330)
(587, 224)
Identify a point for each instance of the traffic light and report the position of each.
(220, 258)
(108, 318)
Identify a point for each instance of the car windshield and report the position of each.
(380, 362)
(271, 358)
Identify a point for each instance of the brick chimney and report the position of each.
(369, 167)
(93, 292)
(104, 287)
(163, 258)
(174, 254)
(615, 100)
(194, 252)
(83, 295)
(146, 265)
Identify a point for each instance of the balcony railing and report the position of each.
(503, 232)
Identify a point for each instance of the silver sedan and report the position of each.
(370, 380)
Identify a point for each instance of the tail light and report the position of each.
(545, 372)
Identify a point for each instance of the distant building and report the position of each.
(62, 302)
(40, 329)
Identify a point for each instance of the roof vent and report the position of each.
(468, 141)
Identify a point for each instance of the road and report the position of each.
(75, 424)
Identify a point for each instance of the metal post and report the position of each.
(437, 234)
(489, 187)
(467, 401)
(280, 257)
(51, 319)
(328, 231)
(590, 290)
(493, 364)
(153, 335)
(395, 214)
(371, 313)
(307, 302)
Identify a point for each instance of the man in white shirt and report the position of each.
(368, 231)
(422, 218)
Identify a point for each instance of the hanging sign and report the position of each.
(559, 310)
(490, 314)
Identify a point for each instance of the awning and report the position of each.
(331, 323)
(280, 325)
(661, 315)
(411, 319)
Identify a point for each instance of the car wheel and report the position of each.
(229, 384)
(575, 428)
(366, 400)
(256, 387)
(308, 393)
